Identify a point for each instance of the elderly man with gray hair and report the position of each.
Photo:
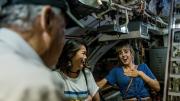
(31, 40)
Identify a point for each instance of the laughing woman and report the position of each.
(131, 78)
(78, 81)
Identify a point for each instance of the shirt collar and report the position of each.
(19, 45)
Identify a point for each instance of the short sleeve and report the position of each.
(58, 80)
(92, 86)
(111, 77)
(148, 72)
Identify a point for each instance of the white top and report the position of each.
(23, 76)
(76, 88)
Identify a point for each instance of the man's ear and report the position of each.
(46, 23)
(47, 16)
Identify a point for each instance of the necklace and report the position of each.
(73, 72)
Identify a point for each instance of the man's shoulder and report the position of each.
(23, 71)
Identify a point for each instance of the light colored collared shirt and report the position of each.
(23, 76)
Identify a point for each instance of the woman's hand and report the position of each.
(132, 73)
(154, 84)
(89, 98)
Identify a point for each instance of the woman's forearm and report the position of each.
(96, 97)
(154, 84)
(101, 83)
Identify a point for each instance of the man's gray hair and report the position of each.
(22, 16)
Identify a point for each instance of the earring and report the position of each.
(69, 64)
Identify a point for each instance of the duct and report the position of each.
(112, 6)
(99, 52)
(123, 2)
(72, 17)
(92, 3)
(156, 19)
(2, 2)
(115, 28)
(94, 39)
(154, 30)
(137, 29)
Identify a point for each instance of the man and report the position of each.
(31, 39)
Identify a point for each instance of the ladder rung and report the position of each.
(177, 16)
(174, 76)
(175, 59)
(174, 93)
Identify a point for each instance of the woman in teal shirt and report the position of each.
(127, 72)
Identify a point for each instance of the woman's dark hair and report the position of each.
(70, 49)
